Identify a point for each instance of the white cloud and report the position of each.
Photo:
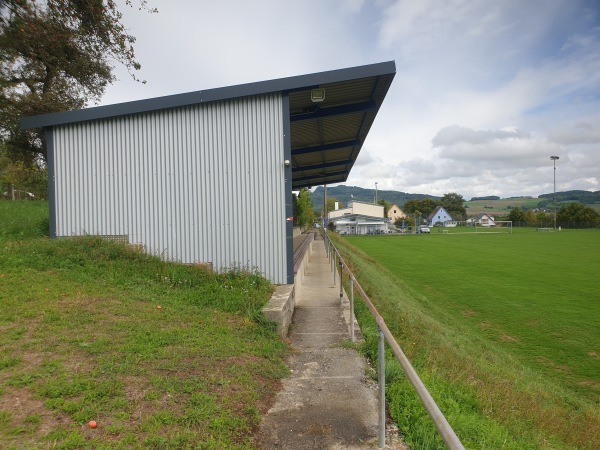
(484, 92)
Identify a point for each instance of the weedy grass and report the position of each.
(503, 329)
(160, 355)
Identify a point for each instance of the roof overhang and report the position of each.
(326, 137)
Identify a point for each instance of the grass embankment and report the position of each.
(160, 355)
(503, 329)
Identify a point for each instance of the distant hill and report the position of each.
(346, 194)
(489, 197)
(587, 197)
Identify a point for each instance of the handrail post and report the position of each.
(333, 264)
(351, 294)
(341, 264)
(381, 379)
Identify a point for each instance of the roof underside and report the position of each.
(326, 137)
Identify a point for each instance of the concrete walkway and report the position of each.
(327, 402)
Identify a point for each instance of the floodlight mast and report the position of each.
(554, 158)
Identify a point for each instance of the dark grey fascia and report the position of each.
(243, 90)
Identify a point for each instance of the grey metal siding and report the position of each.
(200, 183)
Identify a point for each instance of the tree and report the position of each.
(530, 217)
(18, 175)
(331, 204)
(305, 209)
(425, 206)
(386, 206)
(542, 217)
(578, 212)
(454, 204)
(56, 55)
(516, 215)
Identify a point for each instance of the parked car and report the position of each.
(424, 229)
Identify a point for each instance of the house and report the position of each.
(395, 213)
(440, 216)
(359, 218)
(207, 176)
(483, 220)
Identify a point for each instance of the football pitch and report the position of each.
(533, 297)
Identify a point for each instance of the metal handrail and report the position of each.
(384, 334)
(299, 253)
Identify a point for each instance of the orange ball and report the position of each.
(92, 424)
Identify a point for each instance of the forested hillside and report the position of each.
(346, 194)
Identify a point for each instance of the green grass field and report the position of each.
(502, 206)
(160, 355)
(505, 328)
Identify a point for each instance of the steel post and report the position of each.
(333, 264)
(351, 308)
(381, 379)
(341, 282)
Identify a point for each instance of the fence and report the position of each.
(562, 224)
(384, 334)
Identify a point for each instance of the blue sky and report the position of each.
(485, 91)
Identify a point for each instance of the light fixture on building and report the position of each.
(286, 162)
(317, 95)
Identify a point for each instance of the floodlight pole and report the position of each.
(554, 158)
(376, 192)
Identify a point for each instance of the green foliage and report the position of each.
(348, 193)
(331, 201)
(577, 212)
(516, 215)
(305, 214)
(23, 219)
(22, 175)
(421, 207)
(386, 206)
(566, 196)
(454, 204)
(489, 197)
(505, 342)
(156, 352)
(57, 55)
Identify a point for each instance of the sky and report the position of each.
(485, 90)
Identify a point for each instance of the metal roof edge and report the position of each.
(210, 95)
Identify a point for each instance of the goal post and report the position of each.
(474, 227)
(503, 225)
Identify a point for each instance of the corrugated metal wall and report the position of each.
(203, 183)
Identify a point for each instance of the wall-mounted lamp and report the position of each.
(286, 162)
(317, 95)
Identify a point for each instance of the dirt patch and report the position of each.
(558, 367)
(485, 325)
(590, 383)
(470, 313)
(507, 338)
(22, 404)
(594, 355)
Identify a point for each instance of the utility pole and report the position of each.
(554, 158)
(325, 206)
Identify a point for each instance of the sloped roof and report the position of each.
(326, 137)
(435, 211)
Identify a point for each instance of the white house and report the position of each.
(440, 215)
(359, 218)
(483, 220)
